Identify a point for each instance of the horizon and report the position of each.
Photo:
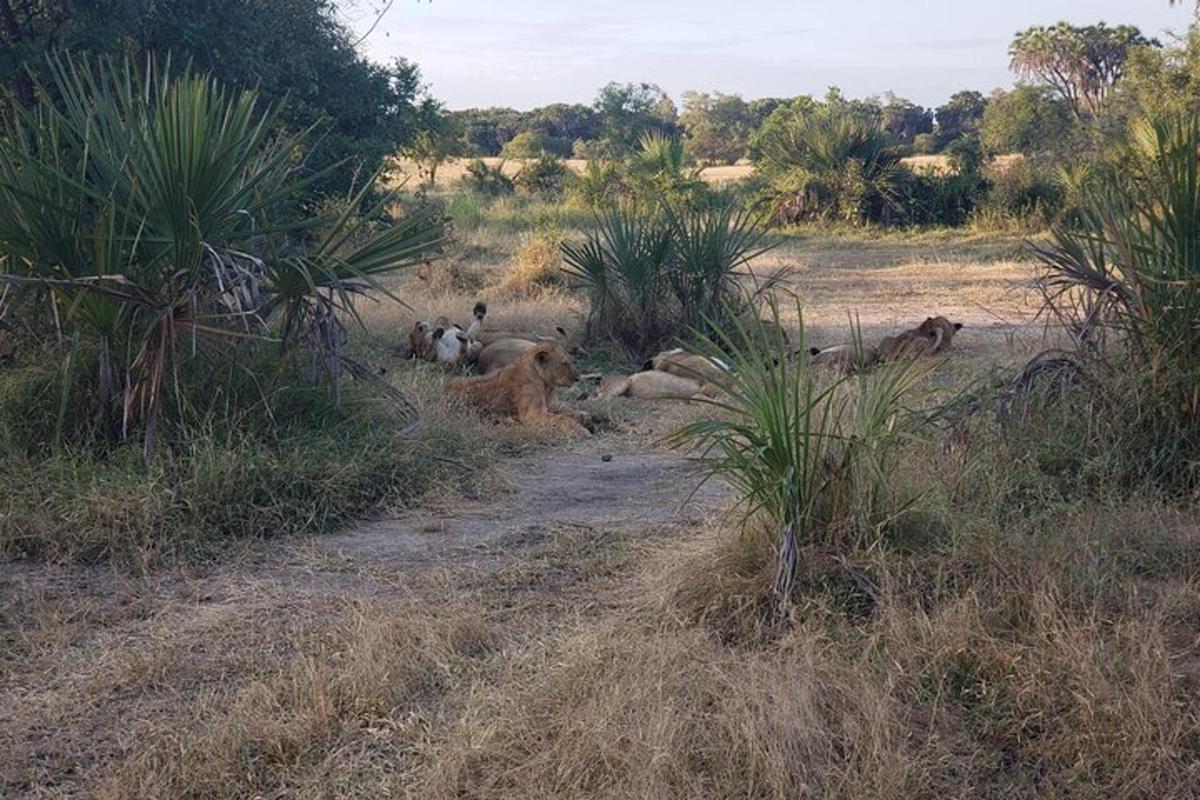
(534, 52)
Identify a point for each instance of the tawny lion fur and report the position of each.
(525, 389)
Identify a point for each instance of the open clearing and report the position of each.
(383, 660)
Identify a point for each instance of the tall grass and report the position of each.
(811, 453)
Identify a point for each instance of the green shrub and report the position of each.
(531, 144)
(486, 181)
(1125, 276)
(829, 163)
(544, 176)
(811, 454)
(1024, 190)
(600, 184)
(654, 276)
(155, 215)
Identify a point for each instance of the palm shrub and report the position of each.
(830, 163)
(624, 265)
(545, 176)
(810, 453)
(154, 217)
(658, 170)
(657, 275)
(1126, 277)
(485, 180)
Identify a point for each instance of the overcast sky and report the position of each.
(526, 53)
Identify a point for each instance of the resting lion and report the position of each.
(931, 337)
(844, 357)
(702, 369)
(525, 389)
(653, 385)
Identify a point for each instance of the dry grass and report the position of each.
(536, 268)
(1027, 640)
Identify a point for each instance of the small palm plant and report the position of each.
(811, 453)
(156, 216)
(1130, 265)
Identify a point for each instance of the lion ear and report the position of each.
(542, 356)
(958, 326)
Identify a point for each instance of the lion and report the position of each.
(844, 357)
(502, 352)
(653, 385)
(942, 330)
(525, 389)
(930, 338)
(702, 369)
(446, 343)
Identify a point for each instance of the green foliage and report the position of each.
(545, 176)
(298, 50)
(530, 144)
(1025, 189)
(283, 458)
(439, 139)
(810, 452)
(154, 215)
(905, 120)
(652, 276)
(480, 179)
(718, 126)
(1127, 275)
(962, 114)
(659, 170)
(627, 112)
(1028, 119)
(828, 162)
(599, 185)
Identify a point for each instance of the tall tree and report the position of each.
(296, 49)
(628, 111)
(1081, 64)
(718, 126)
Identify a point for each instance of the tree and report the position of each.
(718, 126)
(629, 111)
(439, 140)
(565, 121)
(531, 144)
(487, 130)
(962, 113)
(904, 119)
(1081, 64)
(296, 49)
(1028, 119)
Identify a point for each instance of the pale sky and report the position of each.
(527, 53)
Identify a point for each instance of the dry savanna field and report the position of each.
(578, 618)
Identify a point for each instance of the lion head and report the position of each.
(553, 364)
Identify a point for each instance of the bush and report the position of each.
(545, 176)
(257, 459)
(156, 215)
(1124, 277)
(812, 457)
(486, 181)
(651, 276)
(829, 163)
(531, 144)
(1023, 190)
(599, 185)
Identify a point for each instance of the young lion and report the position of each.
(525, 388)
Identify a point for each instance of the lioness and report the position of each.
(653, 385)
(445, 342)
(525, 389)
(844, 357)
(701, 369)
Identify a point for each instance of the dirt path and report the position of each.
(594, 486)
